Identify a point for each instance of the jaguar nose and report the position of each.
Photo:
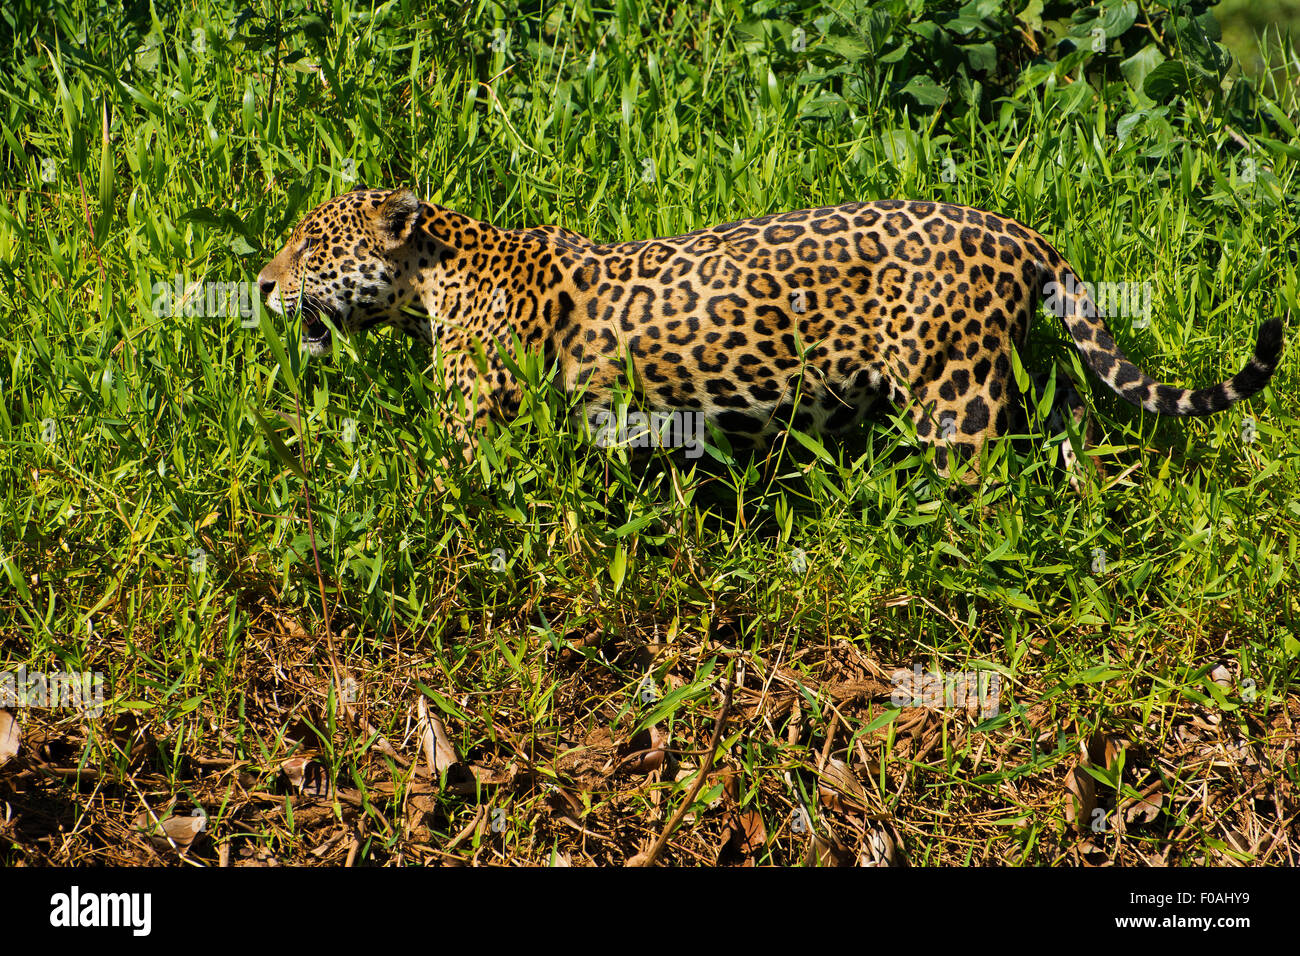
(265, 285)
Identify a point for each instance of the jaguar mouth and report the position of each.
(315, 331)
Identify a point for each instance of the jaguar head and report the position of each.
(347, 265)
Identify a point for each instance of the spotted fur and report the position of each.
(805, 318)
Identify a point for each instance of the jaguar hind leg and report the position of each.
(962, 411)
(1069, 414)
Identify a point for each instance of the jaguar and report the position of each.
(806, 319)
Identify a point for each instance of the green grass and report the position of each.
(1260, 31)
(226, 532)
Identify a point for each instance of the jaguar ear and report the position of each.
(397, 216)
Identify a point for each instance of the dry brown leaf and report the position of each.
(1081, 799)
(295, 769)
(743, 834)
(420, 810)
(490, 777)
(307, 776)
(837, 780)
(439, 754)
(256, 856)
(1238, 842)
(1147, 808)
(566, 804)
(750, 834)
(1104, 749)
(11, 736)
(178, 832)
(827, 851)
(878, 848)
(650, 748)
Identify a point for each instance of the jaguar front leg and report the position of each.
(477, 389)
